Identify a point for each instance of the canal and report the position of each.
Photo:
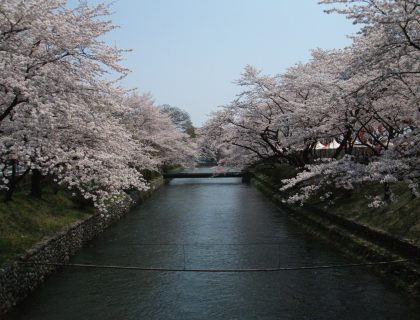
(212, 224)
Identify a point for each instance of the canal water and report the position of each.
(215, 223)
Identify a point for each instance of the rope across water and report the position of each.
(157, 269)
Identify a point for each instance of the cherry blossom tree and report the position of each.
(365, 97)
(55, 103)
(158, 137)
(278, 118)
(261, 122)
(52, 54)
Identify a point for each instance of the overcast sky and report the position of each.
(187, 53)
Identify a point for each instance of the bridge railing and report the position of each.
(203, 175)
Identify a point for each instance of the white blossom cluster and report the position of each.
(365, 97)
(60, 115)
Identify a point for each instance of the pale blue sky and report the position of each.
(187, 53)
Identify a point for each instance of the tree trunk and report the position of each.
(36, 190)
(56, 188)
(387, 193)
(9, 194)
(11, 187)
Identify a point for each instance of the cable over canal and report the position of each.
(278, 269)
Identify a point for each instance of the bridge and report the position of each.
(203, 175)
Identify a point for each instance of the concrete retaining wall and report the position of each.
(17, 280)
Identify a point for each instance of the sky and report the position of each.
(188, 53)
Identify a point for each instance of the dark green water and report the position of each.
(212, 223)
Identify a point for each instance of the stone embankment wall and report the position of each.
(19, 278)
(359, 241)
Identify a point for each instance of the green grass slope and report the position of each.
(26, 220)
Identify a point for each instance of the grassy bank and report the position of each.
(401, 218)
(26, 220)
